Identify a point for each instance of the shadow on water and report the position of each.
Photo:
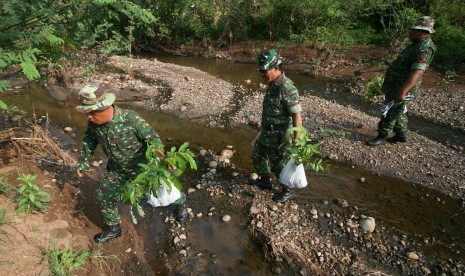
(416, 211)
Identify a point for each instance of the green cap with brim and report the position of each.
(269, 60)
(425, 23)
(94, 98)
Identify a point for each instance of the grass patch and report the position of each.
(64, 261)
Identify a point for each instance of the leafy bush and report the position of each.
(450, 54)
(373, 88)
(302, 150)
(29, 197)
(158, 172)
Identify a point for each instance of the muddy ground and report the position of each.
(309, 241)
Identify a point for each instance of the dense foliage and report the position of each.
(37, 35)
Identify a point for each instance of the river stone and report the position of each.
(182, 237)
(235, 174)
(226, 218)
(213, 164)
(183, 252)
(176, 240)
(68, 129)
(367, 224)
(413, 256)
(227, 153)
(230, 147)
(202, 152)
(254, 176)
(190, 190)
(259, 224)
(254, 210)
(183, 108)
(362, 179)
(314, 211)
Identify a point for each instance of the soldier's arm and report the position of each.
(145, 132)
(296, 122)
(291, 101)
(411, 81)
(89, 144)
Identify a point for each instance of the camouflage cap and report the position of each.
(269, 60)
(425, 23)
(94, 98)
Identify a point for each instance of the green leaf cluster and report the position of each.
(64, 261)
(158, 172)
(29, 197)
(373, 88)
(302, 150)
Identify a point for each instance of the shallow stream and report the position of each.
(418, 212)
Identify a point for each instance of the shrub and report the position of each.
(373, 88)
(29, 197)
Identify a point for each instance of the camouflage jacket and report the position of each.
(417, 56)
(280, 102)
(124, 140)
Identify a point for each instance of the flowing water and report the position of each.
(416, 211)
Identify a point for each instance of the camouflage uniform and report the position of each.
(124, 140)
(416, 56)
(280, 102)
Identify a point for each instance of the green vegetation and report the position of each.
(158, 172)
(36, 37)
(64, 261)
(29, 197)
(373, 88)
(302, 150)
(4, 187)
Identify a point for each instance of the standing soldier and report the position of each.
(281, 103)
(402, 81)
(124, 136)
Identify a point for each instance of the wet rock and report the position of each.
(341, 202)
(227, 153)
(213, 164)
(367, 224)
(413, 256)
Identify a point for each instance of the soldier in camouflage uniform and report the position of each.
(402, 81)
(124, 136)
(280, 106)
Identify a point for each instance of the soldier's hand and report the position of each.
(79, 173)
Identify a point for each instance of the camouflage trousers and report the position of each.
(395, 121)
(267, 153)
(109, 195)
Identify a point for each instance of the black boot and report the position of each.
(399, 137)
(263, 183)
(108, 233)
(284, 195)
(181, 212)
(379, 140)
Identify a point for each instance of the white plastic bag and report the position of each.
(162, 197)
(293, 176)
